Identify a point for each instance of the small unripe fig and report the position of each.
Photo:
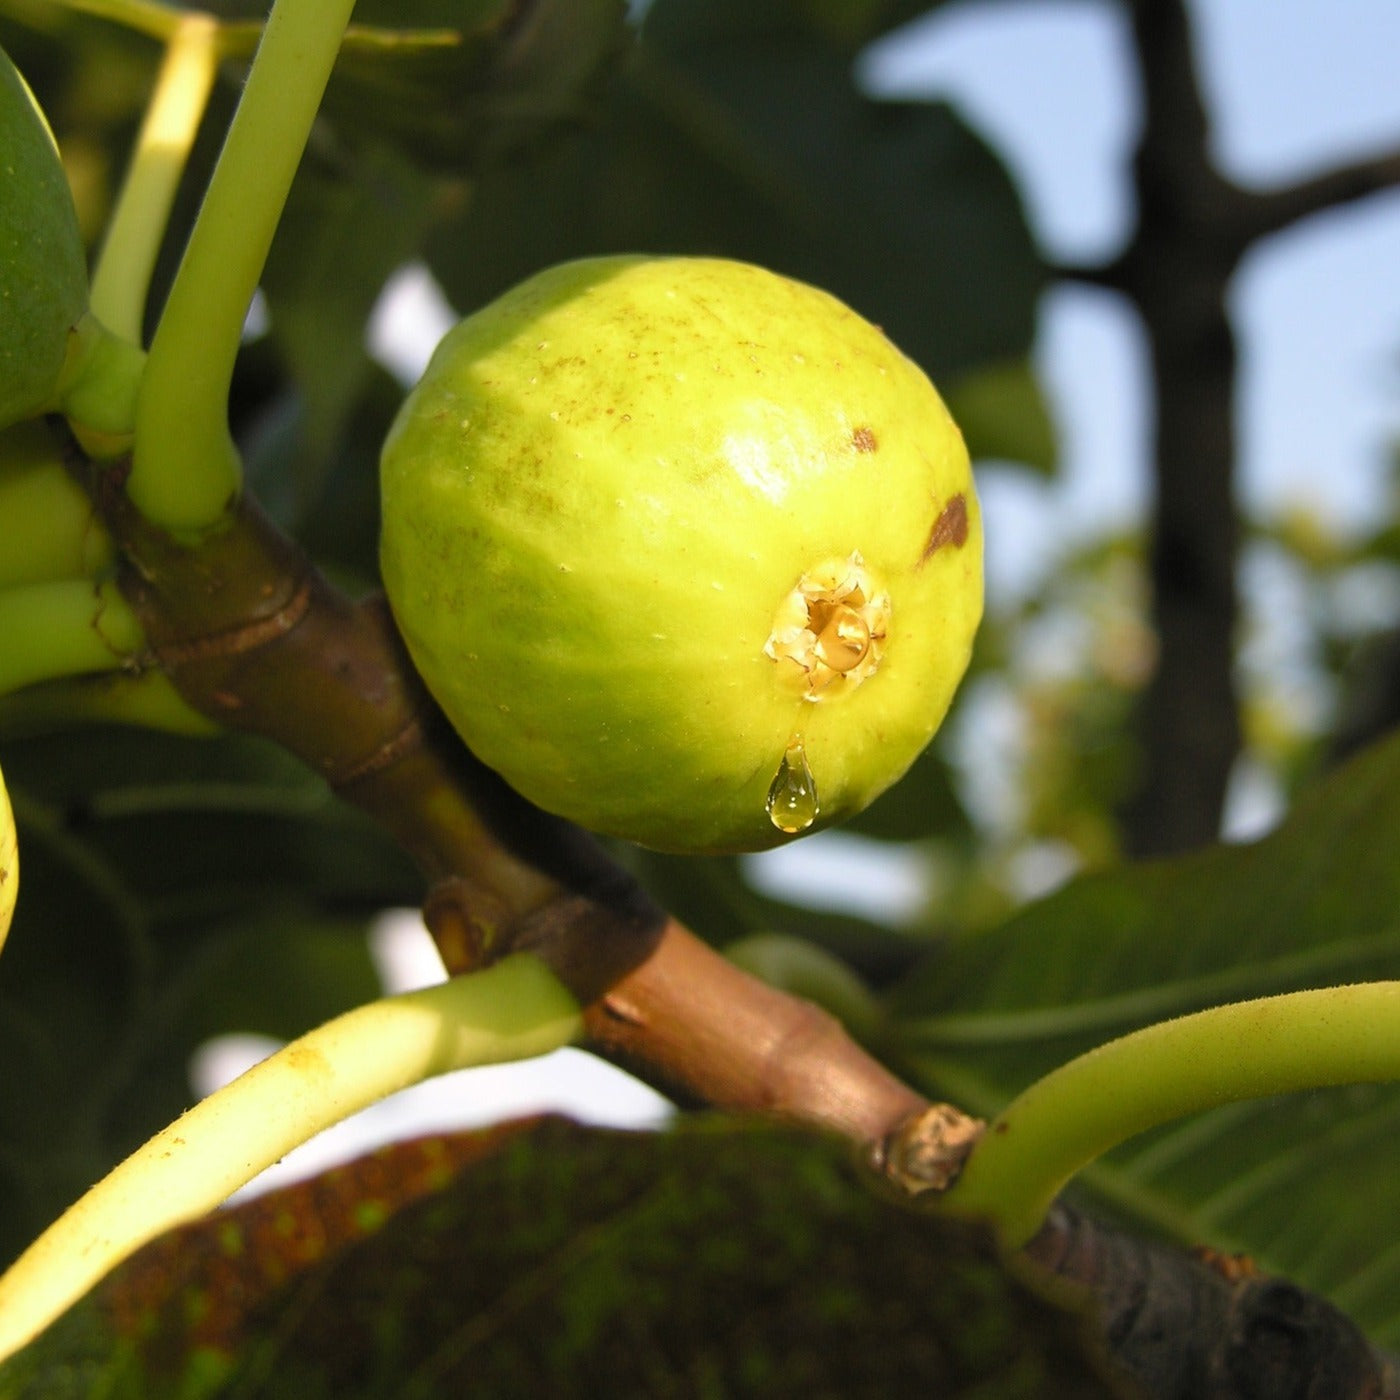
(43, 269)
(51, 529)
(687, 551)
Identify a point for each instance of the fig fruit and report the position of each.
(9, 862)
(43, 269)
(687, 551)
(51, 530)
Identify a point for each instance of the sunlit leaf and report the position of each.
(1300, 1183)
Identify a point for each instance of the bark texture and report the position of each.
(1194, 225)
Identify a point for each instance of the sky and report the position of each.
(1292, 86)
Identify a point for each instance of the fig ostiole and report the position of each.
(687, 551)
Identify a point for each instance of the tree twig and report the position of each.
(1258, 214)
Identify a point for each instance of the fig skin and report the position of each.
(9, 863)
(597, 505)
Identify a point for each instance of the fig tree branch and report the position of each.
(1186, 1326)
(1256, 215)
(252, 635)
(1194, 225)
(1176, 271)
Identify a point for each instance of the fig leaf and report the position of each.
(43, 270)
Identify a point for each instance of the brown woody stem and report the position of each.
(254, 637)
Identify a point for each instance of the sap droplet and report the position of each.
(792, 798)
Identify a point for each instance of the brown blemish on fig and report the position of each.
(949, 528)
(863, 439)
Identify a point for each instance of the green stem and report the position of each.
(66, 628)
(1247, 1050)
(51, 530)
(123, 274)
(99, 388)
(512, 1010)
(149, 17)
(145, 699)
(185, 470)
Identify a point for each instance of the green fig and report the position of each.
(687, 551)
(43, 270)
(51, 530)
(9, 862)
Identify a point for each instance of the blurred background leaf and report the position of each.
(173, 889)
(1302, 1184)
(508, 75)
(740, 131)
(1003, 414)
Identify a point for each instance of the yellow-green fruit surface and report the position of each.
(49, 529)
(687, 551)
(43, 269)
(9, 862)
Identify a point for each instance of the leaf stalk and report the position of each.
(511, 1011)
(1321, 1038)
(186, 474)
(122, 278)
(69, 627)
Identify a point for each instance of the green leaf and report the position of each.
(43, 269)
(455, 84)
(1300, 1183)
(841, 25)
(346, 228)
(172, 890)
(764, 149)
(496, 77)
(549, 1259)
(1003, 415)
(921, 804)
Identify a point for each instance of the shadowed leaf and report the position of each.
(173, 890)
(549, 1259)
(1003, 414)
(497, 77)
(344, 231)
(760, 146)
